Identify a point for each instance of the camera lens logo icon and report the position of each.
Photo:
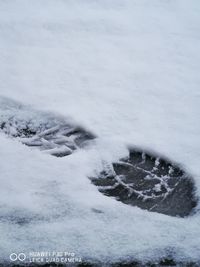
(19, 257)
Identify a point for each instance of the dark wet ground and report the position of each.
(149, 182)
(161, 263)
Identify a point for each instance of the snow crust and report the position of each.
(128, 71)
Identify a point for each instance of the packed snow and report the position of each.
(129, 72)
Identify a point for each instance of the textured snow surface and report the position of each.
(126, 70)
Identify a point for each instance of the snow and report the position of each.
(129, 72)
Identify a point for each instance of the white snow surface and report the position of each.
(128, 70)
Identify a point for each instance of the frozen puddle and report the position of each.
(142, 179)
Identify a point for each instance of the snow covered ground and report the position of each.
(129, 72)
